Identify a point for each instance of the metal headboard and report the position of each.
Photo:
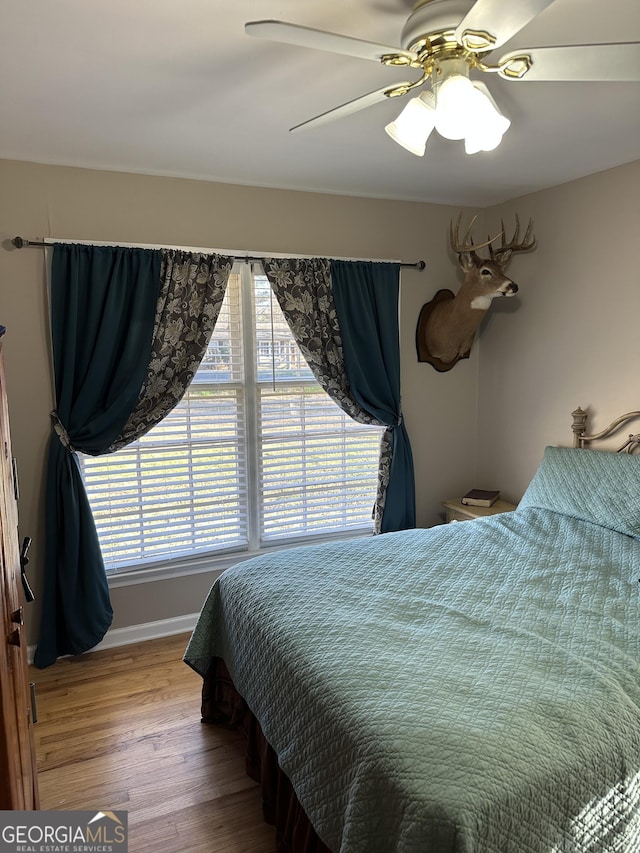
(581, 439)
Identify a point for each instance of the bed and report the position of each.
(469, 687)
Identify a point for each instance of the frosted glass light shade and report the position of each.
(455, 106)
(414, 124)
(488, 126)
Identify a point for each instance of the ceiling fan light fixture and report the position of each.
(446, 39)
(414, 124)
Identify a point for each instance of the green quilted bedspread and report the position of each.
(472, 687)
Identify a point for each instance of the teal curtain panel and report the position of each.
(103, 307)
(366, 299)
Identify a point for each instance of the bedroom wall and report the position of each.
(39, 201)
(570, 337)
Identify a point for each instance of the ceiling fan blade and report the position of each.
(490, 23)
(586, 62)
(350, 107)
(281, 31)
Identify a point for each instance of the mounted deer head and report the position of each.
(447, 325)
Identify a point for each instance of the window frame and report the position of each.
(167, 567)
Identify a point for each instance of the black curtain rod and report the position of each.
(21, 243)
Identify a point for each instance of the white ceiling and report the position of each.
(177, 88)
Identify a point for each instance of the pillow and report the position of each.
(592, 485)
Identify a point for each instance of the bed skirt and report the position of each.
(222, 704)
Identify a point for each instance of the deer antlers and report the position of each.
(464, 246)
(500, 255)
(503, 253)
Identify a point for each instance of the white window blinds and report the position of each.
(255, 453)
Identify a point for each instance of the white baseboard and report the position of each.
(148, 631)
(139, 633)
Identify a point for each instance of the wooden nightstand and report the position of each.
(456, 511)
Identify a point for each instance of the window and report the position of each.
(256, 454)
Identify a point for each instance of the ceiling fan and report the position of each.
(447, 40)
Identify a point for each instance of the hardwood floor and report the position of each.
(120, 729)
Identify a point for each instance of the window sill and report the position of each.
(179, 568)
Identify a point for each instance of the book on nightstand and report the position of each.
(480, 497)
